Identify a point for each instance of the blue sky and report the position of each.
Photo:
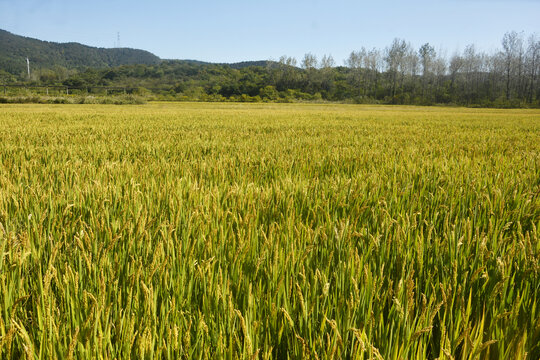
(236, 30)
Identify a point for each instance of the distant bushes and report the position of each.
(37, 99)
(268, 95)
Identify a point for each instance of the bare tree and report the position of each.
(356, 59)
(440, 67)
(309, 61)
(373, 62)
(456, 64)
(355, 62)
(327, 74)
(395, 55)
(512, 49)
(533, 65)
(471, 65)
(287, 76)
(309, 64)
(427, 55)
(327, 62)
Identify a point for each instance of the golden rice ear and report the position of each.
(199, 230)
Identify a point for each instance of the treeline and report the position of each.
(398, 74)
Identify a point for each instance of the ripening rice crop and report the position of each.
(170, 231)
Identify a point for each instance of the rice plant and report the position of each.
(269, 231)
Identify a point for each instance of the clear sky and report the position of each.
(237, 30)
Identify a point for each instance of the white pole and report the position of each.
(28, 66)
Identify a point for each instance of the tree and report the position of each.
(456, 64)
(355, 62)
(533, 68)
(439, 67)
(309, 61)
(287, 78)
(394, 58)
(410, 68)
(327, 73)
(269, 93)
(309, 64)
(355, 59)
(327, 62)
(512, 49)
(427, 55)
(373, 62)
(470, 68)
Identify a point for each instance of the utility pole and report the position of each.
(28, 67)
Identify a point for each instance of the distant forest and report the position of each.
(397, 74)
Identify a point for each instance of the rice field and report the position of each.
(269, 231)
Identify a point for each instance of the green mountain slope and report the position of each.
(14, 50)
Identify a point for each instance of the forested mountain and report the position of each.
(14, 50)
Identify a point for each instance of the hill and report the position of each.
(259, 63)
(236, 65)
(47, 55)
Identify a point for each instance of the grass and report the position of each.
(269, 231)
